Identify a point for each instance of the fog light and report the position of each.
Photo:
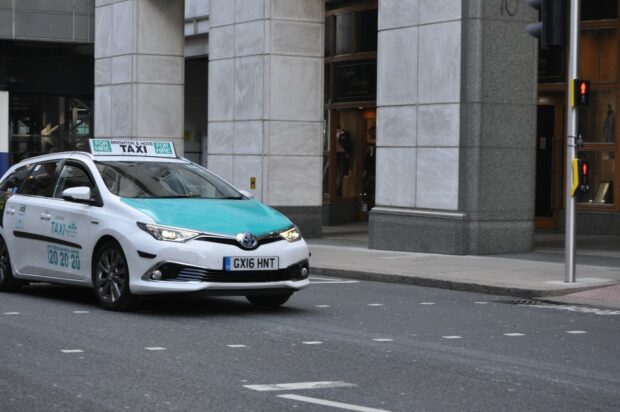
(156, 275)
(304, 273)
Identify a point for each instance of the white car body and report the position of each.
(55, 240)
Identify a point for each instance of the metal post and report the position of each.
(5, 133)
(571, 129)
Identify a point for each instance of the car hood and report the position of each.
(222, 216)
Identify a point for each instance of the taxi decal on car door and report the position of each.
(63, 257)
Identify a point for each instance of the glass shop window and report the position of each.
(597, 124)
(599, 9)
(344, 34)
(329, 35)
(598, 58)
(602, 171)
(367, 30)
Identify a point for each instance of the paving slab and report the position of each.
(607, 296)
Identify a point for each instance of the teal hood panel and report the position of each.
(222, 216)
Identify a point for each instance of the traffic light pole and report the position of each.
(571, 128)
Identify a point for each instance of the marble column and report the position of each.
(265, 102)
(455, 127)
(139, 69)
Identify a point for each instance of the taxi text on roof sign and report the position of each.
(112, 147)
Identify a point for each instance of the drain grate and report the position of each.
(527, 302)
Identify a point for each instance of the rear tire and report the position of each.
(268, 301)
(7, 282)
(111, 278)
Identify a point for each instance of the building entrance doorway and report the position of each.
(549, 147)
(349, 165)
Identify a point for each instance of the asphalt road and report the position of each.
(373, 346)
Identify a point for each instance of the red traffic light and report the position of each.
(581, 93)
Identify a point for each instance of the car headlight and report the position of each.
(291, 234)
(168, 233)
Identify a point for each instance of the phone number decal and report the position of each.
(63, 257)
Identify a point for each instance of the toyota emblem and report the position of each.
(247, 240)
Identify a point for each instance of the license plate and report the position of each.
(238, 263)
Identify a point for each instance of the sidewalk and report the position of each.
(343, 252)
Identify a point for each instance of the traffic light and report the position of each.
(581, 176)
(580, 93)
(551, 29)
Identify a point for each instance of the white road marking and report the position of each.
(375, 304)
(452, 337)
(481, 303)
(72, 351)
(12, 313)
(237, 346)
(339, 405)
(514, 334)
(576, 332)
(154, 348)
(427, 303)
(299, 385)
(581, 309)
(383, 340)
(313, 342)
(80, 312)
(321, 306)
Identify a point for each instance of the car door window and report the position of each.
(72, 176)
(14, 181)
(41, 180)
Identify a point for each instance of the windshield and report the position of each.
(163, 180)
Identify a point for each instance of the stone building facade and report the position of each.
(416, 115)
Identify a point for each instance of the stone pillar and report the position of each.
(456, 127)
(139, 69)
(266, 102)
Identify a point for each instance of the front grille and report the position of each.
(177, 272)
(262, 240)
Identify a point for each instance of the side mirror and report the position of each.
(77, 194)
(246, 194)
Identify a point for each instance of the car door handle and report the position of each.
(45, 216)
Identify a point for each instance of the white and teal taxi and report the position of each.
(132, 218)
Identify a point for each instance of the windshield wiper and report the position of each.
(232, 197)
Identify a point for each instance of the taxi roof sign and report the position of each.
(143, 148)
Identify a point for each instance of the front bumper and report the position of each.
(197, 266)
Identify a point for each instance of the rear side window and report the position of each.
(14, 181)
(41, 180)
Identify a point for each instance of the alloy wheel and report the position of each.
(111, 276)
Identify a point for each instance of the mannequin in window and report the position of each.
(609, 127)
(344, 153)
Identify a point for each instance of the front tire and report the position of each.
(111, 278)
(7, 282)
(269, 301)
